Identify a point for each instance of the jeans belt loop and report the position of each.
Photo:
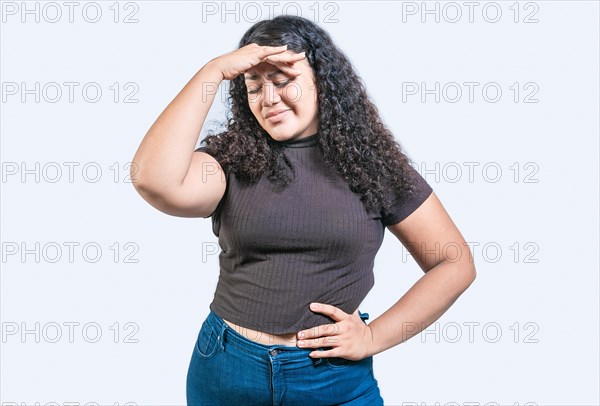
(363, 316)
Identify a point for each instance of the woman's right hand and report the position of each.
(237, 62)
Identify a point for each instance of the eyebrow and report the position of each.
(270, 75)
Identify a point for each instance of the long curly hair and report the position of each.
(354, 141)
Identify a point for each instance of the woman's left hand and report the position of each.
(350, 336)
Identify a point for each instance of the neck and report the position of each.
(305, 141)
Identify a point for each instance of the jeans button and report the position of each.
(274, 352)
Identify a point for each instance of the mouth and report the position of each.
(276, 116)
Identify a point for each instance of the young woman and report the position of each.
(300, 188)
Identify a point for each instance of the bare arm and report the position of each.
(429, 229)
(167, 172)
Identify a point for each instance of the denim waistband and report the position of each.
(229, 335)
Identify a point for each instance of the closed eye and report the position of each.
(281, 84)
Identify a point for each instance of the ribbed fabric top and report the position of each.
(310, 141)
(312, 242)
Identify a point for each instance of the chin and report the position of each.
(281, 135)
(280, 138)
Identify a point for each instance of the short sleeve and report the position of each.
(404, 206)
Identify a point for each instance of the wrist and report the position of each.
(371, 348)
(213, 69)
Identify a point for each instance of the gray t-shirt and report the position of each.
(312, 242)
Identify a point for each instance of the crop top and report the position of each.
(315, 241)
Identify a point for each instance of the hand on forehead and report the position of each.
(274, 64)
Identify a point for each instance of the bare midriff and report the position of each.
(264, 338)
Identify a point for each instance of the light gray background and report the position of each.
(545, 225)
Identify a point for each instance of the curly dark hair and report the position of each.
(354, 141)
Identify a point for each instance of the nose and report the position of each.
(270, 94)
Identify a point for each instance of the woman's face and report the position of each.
(270, 90)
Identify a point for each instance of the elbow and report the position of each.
(142, 188)
(159, 201)
(462, 274)
(468, 274)
(134, 174)
(472, 274)
(149, 192)
(137, 178)
(467, 269)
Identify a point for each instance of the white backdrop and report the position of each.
(102, 295)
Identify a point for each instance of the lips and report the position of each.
(273, 114)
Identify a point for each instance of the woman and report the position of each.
(300, 187)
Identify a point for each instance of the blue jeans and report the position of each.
(226, 368)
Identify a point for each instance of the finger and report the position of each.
(289, 70)
(279, 61)
(287, 56)
(323, 354)
(332, 311)
(267, 50)
(319, 331)
(284, 67)
(298, 56)
(325, 341)
(291, 64)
